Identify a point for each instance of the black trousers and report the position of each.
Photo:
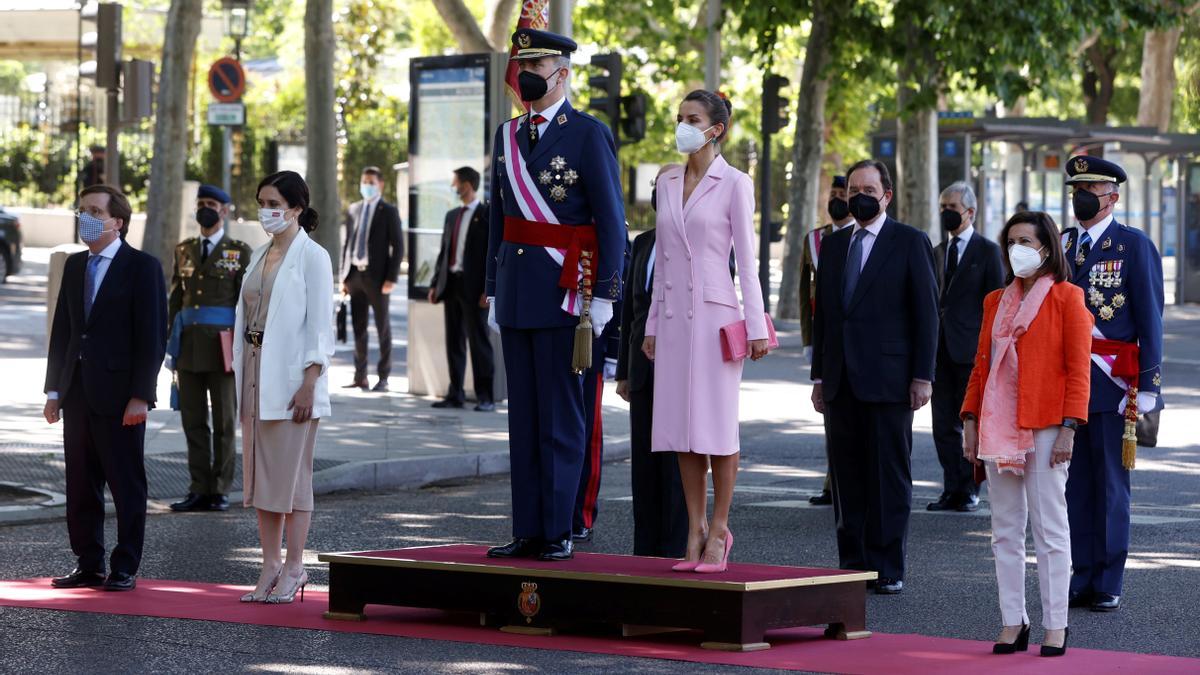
(98, 450)
(949, 390)
(364, 293)
(466, 322)
(659, 512)
(211, 454)
(870, 457)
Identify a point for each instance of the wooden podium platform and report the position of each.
(734, 609)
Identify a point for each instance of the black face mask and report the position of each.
(864, 207)
(533, 86)
(654, 198)
(1086, 204)
(838, 209)
(207, 217)
(951, 220)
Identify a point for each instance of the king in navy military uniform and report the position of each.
(1120, 271)
(556, 245)
(205, 285)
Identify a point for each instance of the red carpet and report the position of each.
(795, 649)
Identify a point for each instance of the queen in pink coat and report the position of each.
(704, 209)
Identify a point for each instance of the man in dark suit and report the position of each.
(106, 346)
(659, 512)
(968, 268)
(371, 258)
(874, 342)
(459, 279)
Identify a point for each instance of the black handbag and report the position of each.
(340, 319)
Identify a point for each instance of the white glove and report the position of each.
(491, 301)
(1146, 400)
(602, 313)
(610, 369)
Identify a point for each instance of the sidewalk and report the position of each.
(371, 442)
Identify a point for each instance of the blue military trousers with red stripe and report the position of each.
(587, 497)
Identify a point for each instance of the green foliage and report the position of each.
(12, 76)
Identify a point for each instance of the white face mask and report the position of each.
(272, 220)
(689, 139)
(1024, 260)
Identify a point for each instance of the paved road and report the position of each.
(950, 586)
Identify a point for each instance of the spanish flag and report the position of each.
(534, 14)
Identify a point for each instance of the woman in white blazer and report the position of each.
(283, 343)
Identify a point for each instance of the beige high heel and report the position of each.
(253, 597)
(290, 596)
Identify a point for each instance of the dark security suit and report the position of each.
(460, 292)
(215, 281)
(546, 405)
(97, 364)
(978, 272)
(1127, 308)
(659, 513)
(868, 353)
(385, 250)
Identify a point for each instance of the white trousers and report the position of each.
(1040, 496)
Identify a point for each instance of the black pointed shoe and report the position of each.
(517, 548)
(218, 503)
(886, 586)
(554, 551)
(823, 499)
(448, 403)
(1020, 645)
(943, 503)
(967, 504)
(120, 581)
(192, 502)
(584, 534)
(79, 579)
(1105, 602)
(1047, 650)
(485, 406)
(1080, 599)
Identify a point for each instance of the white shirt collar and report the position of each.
(110, 251)
(874, 226)
(372, 200)
(1097, 231)
(550, 110)
(473, 205)
(215, 238)
(965, 235)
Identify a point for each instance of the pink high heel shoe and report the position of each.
(689, 565)
(713, 568)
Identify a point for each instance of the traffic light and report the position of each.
(774, 110)
(609, 101)
(103, 44)
(633, 117)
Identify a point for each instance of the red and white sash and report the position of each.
(533, 205)
(814, 246)
(1105, 363)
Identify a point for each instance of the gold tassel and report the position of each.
(1129, 439)
(581, 356)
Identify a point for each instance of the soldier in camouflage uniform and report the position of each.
(205, 286)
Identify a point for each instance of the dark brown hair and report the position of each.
(718, 108)
(118, 204)
(467, 174)
(885, 178)
(373, 171)
(1048, 236)
(295, 193)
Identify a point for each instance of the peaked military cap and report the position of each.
(534, 44)
(839, 182)
(213, 192)
(1088, 169)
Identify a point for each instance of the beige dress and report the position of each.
(277, 455)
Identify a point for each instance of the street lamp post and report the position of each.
(237, 25)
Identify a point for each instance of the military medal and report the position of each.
(558, 193)
(570, 177)
(1106, 312)
(558, 163)
(1118, 300)
(545, 177)
(1095, 297)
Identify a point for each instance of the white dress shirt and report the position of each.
(464, 224)
(963, 238)
(367, 205)
(548, 113)
(1095, 232)
(868, 241)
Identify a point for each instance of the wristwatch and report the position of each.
(1070, 423)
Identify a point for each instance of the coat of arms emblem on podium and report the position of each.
(529, 602)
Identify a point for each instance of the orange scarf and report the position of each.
(1001, 438)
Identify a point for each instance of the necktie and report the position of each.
(951, 264)
(534, 123)
(1085, 247)
(360, 236)
(204, 250)
(454, 237)
(853, 268)
(89, 284)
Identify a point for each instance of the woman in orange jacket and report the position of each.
(1027, 394)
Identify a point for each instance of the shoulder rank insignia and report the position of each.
(562, 119)
(1107, 244)
(1157, 379)
(1120, 248)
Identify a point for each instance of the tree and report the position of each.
(321, 122)
(164, 203)
(472, 38)
(1159, 48)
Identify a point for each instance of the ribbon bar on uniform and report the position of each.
(574, 239)
(1126, 364)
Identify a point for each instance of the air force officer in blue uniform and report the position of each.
(556, 210)
(1120, 272)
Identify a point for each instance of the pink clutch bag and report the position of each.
(735, 344)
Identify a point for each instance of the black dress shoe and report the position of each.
(1104, 602)
(584, 534)
(943, 503)
(1057, 651)
(557, 550)
(967, 504)
(517, 548)
(218, 503)
(192, 502)
(380, 386)
(886, 586)
(78, 579)
(120, 581)
(485, 406)
(1080, 599)
(357, 384)
(448, 403)
(823, 499)
(1020, 645)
